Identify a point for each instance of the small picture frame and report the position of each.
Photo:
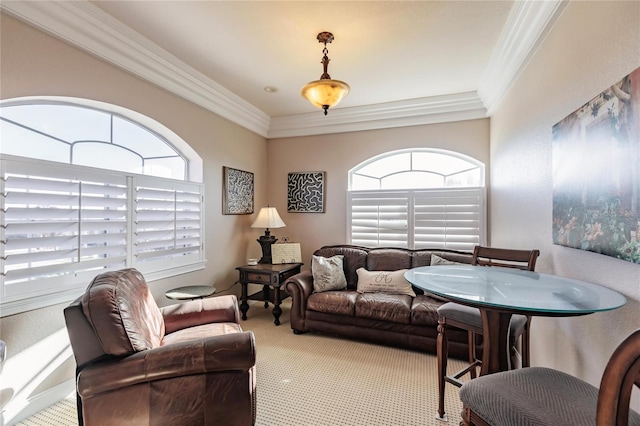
(305, 192)
(237, 191)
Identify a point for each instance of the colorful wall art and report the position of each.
(596, 173)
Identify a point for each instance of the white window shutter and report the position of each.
(379, 219)
(435, 218)
(167, 224)
(56, 227)
(449, 218)
(61, 225)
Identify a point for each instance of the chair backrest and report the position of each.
(520, 259)
(122, 313)
(621, 373)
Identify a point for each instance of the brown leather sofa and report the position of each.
(138, 364)
(391, 319)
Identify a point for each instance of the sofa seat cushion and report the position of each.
(424, 310)
(384, 307)
(201, 332)
(340, 302)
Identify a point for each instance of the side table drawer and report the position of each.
(256, 277)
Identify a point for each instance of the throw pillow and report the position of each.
(328, 273)
(392, 282)
(437, 260)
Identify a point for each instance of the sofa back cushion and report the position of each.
(122, 312)
(354, 258)
(388, 259)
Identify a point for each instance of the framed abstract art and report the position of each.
(237, 191)
(305, 192)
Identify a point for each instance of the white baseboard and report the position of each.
(15, 411)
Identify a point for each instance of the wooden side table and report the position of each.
(190, 292)
(269, 276)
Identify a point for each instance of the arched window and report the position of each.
(88, 187)
(418, 198)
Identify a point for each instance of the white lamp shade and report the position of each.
(268, 217)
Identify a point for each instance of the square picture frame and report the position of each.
(237, 191)
(306, 192)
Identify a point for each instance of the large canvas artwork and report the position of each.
(305, 192)
(596, 176)
(237, 191)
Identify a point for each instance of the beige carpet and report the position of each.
(313, 379)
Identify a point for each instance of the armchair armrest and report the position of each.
(227, 352)
(201, 311)
(299, 287)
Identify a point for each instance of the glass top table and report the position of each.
(501, 292)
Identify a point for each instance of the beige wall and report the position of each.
(337, 154)
(36, 64)
(593, 45)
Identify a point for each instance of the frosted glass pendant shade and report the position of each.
(325, 92)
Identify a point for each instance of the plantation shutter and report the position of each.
(168, 223)
(56, 226)
(379, 219)
(439, 219)
(448, 218)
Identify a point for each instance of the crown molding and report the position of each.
(527, 25)
(86, 26)
(413, 112)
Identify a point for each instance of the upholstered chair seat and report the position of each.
(543, 396)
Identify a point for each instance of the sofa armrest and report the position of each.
(235, 351)
(299, 287)
(200, 311)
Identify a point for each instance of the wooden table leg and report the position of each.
(495, 330)
(277, 311)
(265, 295)
(244, 305)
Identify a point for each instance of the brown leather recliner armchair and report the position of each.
(138, 364)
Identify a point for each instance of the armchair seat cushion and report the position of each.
(534, 396)
(201, 332)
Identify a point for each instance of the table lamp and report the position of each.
(268, 217)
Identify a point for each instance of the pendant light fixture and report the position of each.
(325, 93)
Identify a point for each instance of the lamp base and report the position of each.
(265, 242)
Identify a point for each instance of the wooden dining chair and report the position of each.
(543, 396)
(469, 319)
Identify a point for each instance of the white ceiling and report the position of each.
(407, 62)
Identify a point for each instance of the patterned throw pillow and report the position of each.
(328, 273)
(391, 282)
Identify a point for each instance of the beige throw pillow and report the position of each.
(328, 273)
(392, 282)
(437, 260)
